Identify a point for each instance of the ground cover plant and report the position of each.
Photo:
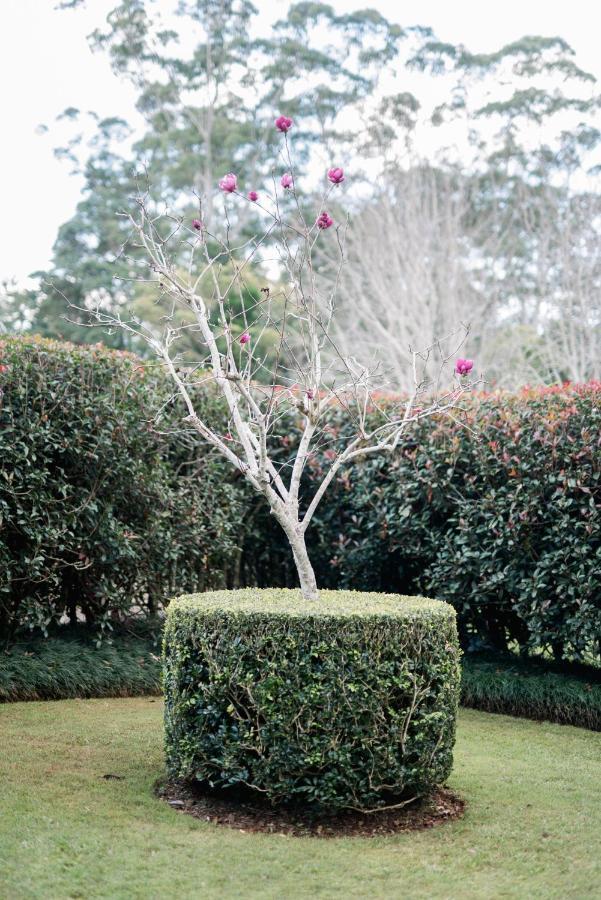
(534, 688)
(69, 663)
(532, 825)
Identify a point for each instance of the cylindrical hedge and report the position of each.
(347, 702)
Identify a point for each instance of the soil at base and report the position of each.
(245, 812)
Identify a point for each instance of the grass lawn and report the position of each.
(532, 828)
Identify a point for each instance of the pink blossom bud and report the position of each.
(197, 224)
(310, 394)
(336, 175)
(324, 221)
(252, 195)
(228, 183)
(283, 124)
(464, 366)
(245, 338)
(287, 180)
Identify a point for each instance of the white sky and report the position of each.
(46, 65)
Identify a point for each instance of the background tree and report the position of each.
(497, 144)
(206, 87)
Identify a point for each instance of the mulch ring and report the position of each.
(247, 813)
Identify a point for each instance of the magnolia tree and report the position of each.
(197, 275)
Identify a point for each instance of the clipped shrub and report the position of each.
(99, 512)
(347, 702)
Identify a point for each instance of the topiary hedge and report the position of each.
(100, 512)
(349, 702)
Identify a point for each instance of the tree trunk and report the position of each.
(306, 575)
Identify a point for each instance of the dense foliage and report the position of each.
(349, 701)
(100, 513)
(69, 664)
(501, 518)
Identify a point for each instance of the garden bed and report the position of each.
(245, 811)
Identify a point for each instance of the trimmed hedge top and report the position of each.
(287, 602)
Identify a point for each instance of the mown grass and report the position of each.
(72, 666)
(532, 827)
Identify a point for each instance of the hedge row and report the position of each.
(501, 518)
(100, 513)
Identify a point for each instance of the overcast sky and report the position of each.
(46, 65)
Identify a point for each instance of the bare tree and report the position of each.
(309, 376)
(413, 269)
(519, 260)
(563, 234)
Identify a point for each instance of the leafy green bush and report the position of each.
(99, 512)
(501, 519)
(349, 702)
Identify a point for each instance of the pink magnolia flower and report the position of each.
(252, 195)
(283, 124)
(464, 366)
(197, 224)
(287, 180)
(245, 338)
(324, 221)
(229, 183)
(336, 175)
